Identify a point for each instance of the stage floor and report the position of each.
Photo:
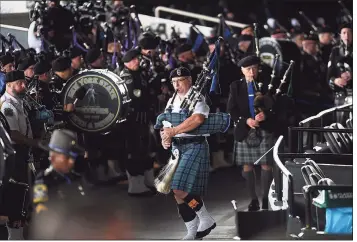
(112, 214)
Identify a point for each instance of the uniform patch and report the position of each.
(40, 193)
(8, 112)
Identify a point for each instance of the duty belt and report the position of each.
(188, 140)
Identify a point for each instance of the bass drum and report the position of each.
(287, 51)
(101, 100)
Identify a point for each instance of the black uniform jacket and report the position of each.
(238, 108)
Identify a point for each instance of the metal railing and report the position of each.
(279, 166)
(196, 16)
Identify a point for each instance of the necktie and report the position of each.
(251, 99)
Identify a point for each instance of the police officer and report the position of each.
(42, 71)
(191, 176)
(312, 87)
(186, 58)
(326, 45)
(7, 63)
(12, 106)
(140, 164)
(339, 73)
(77, 59)
(27, 64)
(247, 122)
(95, 59)
(58, 191)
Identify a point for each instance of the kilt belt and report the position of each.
(214, 123)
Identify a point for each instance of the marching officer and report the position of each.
(139, 165)
(325, 38)
(186, 58)
(12, 106)
(339, 73)
(95, 59)
(58, 191)
(27, 64)
(253, 132)
(77, 59)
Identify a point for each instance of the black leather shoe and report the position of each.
(254, 205)
(265, 203)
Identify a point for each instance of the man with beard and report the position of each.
(12, 106)
(139, 164)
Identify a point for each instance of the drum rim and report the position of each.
(88, 73)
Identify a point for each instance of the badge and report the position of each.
(8, 112)
(179, 72)
(137, 92)
(41, 208)
(40, 193)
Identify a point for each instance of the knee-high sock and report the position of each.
(187, 214)
(266, 178)
(250, 178)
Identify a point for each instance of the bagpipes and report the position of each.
(216, 122)
(268, 101)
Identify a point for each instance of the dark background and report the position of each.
(244, 10)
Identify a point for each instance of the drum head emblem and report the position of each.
(98, 102)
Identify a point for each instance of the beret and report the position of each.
(248, 26)
(74, 52)
(312, 37)
(61, 64)
(148, 42)
(183, 48)
(249, 61)
(26, 63)
(15, 76)
(245, 37)
(278, 31)
(180, 72)
(345, 25)
(6, 59)
(131, 54)
(212, 40)
(92, 55)
(325, 29)
(41, 67)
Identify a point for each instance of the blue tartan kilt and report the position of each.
(192, 172)
(244, 155)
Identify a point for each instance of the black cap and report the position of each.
(131, 54)
(74, 52)
(325, 29)
(249, 61)
(42, 67)
(245, 37)
(312, 37)
(345, 25)
(148, 41)
(15, 76)
(180, 72)
(26, 63)
(64, 142)
(61, 64)
(93, 55)
(183, 48)
(212, 40)
(6, 59)
(278, 31)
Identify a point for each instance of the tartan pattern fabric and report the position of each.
(192, 172)
(215, 123)
(244, 155)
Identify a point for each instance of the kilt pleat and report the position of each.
(244, 155)
(192, 172)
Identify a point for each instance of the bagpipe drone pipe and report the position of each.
(275, 101)
(215, 122)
